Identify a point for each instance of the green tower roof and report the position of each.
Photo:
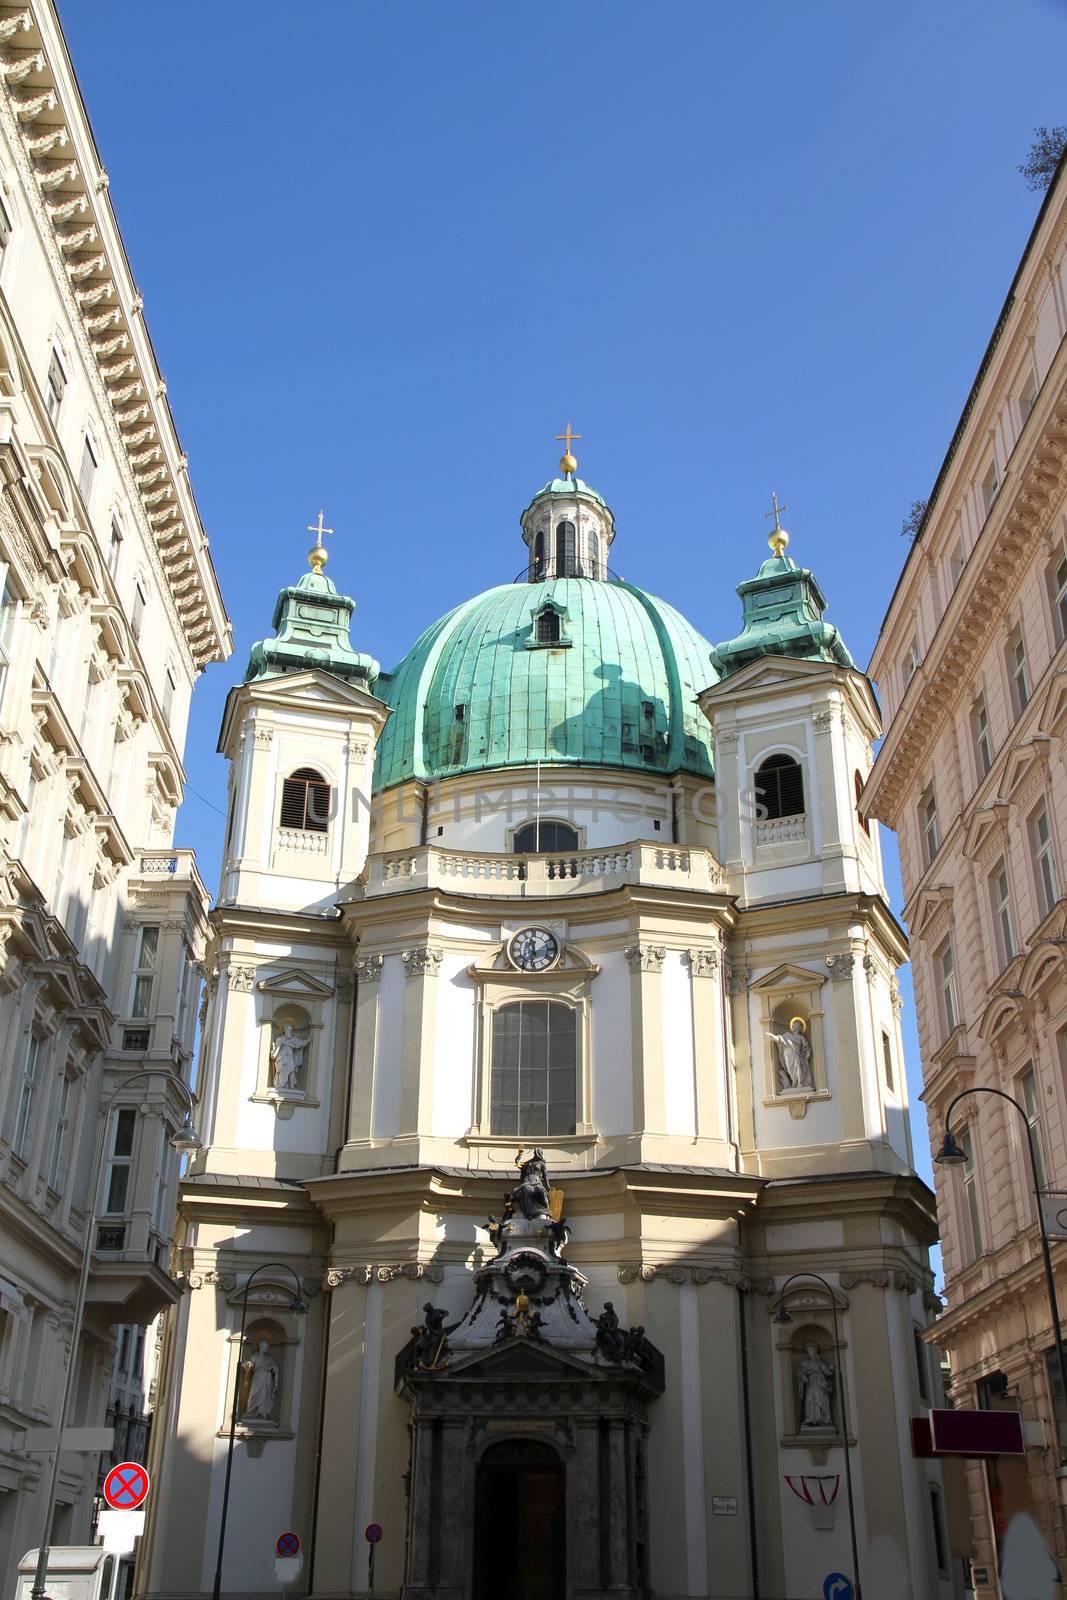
(311, 622)
(617, 688)
(783, 611)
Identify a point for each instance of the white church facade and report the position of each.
(551, 1051)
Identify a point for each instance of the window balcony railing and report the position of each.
(544, 876)
(782, 830)
(303, 841)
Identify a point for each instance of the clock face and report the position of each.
(534, 949)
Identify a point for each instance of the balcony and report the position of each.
(544, 877)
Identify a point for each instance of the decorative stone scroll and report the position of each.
(369, 968)
(416, 1271)
(737, 979)
(881, 1278)
(241, 980)
(703, 963)
(226, 1281)
(423, 962)
(646, 957)
(682, 1272)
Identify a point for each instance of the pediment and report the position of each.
(1029, 759)
(987, 823)
(295, 984)
(787, 977)
(316, 687)
(1053, 713)
(524, 1361)
(930, 905)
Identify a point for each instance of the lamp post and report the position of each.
(184, 1141)
(297, 1305)
(783, 1318)
(951, 1155)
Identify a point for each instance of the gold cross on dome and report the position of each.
(778, 538)
(317, 555)
(775, 511)
(567, 461)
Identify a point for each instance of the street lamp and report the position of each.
(185, 1141)
(296, 1304)
(952, 1155)
(783, 1318)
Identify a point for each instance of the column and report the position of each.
(421, 966)
(646, 1013)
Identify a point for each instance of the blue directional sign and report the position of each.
(837, 1587)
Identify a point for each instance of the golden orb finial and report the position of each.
(778, 538)
(568, 462)
(317, 556)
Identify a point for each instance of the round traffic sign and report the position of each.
(287, 1544)
(126, 1486)
(838, 1587)
(373, 1532)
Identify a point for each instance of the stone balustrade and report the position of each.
(543, 876)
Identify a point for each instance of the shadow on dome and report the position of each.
(619, 717)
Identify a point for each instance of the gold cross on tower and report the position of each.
(778, 538)
(317, 556)
(567, 462)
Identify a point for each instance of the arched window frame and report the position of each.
(767, 784)
(562, 639)
(315, 809)
(517, 843)
(565, 549)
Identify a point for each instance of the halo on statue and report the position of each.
(803, 1023)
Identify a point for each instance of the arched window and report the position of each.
(533, 1072)
(594, 553)
(780, 787)
(864, 824)
(565, 562)
(306, 801)
(544, 838)
(538, 554)
(548, 626)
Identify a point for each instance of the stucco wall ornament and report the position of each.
(682, 1272)
(423, 962)
(415, 1270)
(369, 968)
(241, 979)
(737, 978)
(703, 963)
(841, 967)
(226, 1281)
(646, 957)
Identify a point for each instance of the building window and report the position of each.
(928, 826)
(594, 553)
(120, 1161)
(534, 1069)
(1057, 591)
(8, 611)
(548, 836)
(955, 564)
(5, 228)
(139, 603)
(861, 819)
(1048, 889)
(59, 1136)
(1028, 397)
(1018, 671)
(145, 971)
(1000, 900)
(983, 749)
(911, 662)
(565, 550)
(990, 487)
(539, 553)
(1027, 1094)
(306, 801)
(780, 788)
(971, 1196)
(946, 986)
(887, 1062)
(938, 1526)
(27, 1093)
(54, 387)
(169, 686)
(87, 470)
(115, 548)
(548, 626)
(922, 1370)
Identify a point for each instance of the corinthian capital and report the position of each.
(646, 957)
(423, 962)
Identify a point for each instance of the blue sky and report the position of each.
(387, 251)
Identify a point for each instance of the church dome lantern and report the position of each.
(567, 527)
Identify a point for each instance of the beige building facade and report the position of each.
(501, 899)
(972, 668)
(109, 611)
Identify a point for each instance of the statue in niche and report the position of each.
(793, 1055)
(262, 1370)
(529, 1198)
(816, 1375)
(287, 1053)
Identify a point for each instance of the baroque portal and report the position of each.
(528, 1476)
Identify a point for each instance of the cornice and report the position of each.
(67, 187)
(1006, 548)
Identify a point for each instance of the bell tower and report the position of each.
(813, 969)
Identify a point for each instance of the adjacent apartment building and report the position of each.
(972, 666)
(109, 610)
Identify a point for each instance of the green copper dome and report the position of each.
(572, 670)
